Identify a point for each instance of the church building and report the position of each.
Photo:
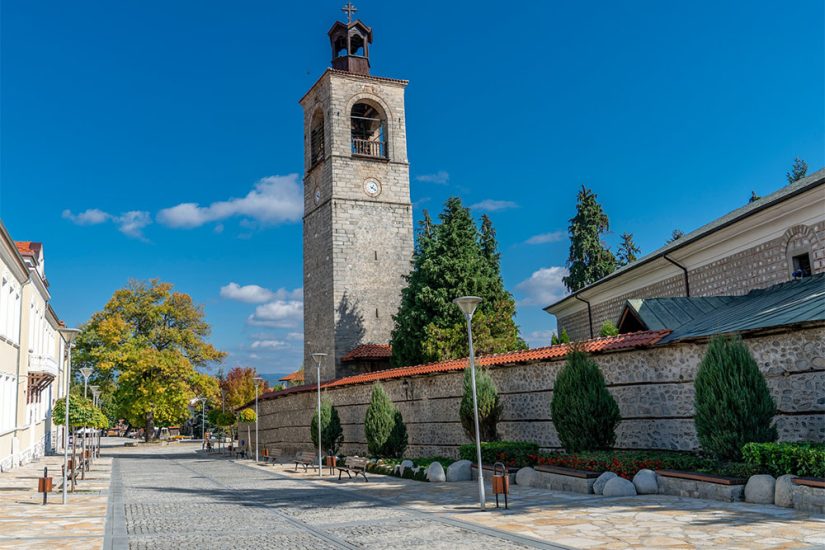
(358, 229)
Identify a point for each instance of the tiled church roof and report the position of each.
(550, 353)
(368, 352)
(293, 376)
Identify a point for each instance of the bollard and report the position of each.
(501, 482)
(44, 485)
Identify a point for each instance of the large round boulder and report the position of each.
(760, 489)
(404, 465)
(783, 493)
(459, 471)
(645, 482)
(619, 487)
(527, 477)
(435, 473)
(598, 485)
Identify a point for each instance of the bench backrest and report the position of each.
(275, 452)
(307, 456)
(356, 462)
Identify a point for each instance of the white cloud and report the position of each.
(491, 205)
(254, 294)
(274, 199)
(92, 216)
(441, 177)
(295, 336)
(539, 338)
(278, 314)
(543, 238)
(129, 223)
(268, 344)
(544, 286)
(132, 223)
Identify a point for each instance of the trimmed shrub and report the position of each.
(332, 434)
(384, 426)
(608, 329)
(489, 406)
(584, 413)
(514, 454)
(799, 459)
(733, 403)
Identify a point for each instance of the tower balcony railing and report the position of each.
(43, 364)
(369, 148)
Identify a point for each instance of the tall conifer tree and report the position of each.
(589, 258)
(628, 251)
(453, 258)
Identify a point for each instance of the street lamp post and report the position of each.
(86, 372)
(257, 381)
(468, 305)
(69, 335)
(318, 357)
(203, 419)
(96, 438)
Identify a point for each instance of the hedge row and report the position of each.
(800, 459)
(514, 454)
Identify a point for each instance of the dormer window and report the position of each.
(369, 131)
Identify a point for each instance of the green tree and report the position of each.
(383, 426)
(798, 170)
(628, 251)
(733, 404)
(754, 197)
(489, 406)
(332, 434)
(451, 259)
(675, 235)
(82, 413)
(238, 386)
(584, 413)
(150, 341)
(608, 329)
(562, 338)
(589, 259)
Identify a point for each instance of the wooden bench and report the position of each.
(354, 465)
(706, 478)
(74, 471)
(307, 460)
(272, 456)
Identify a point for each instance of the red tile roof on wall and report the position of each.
(368, 352)
(621, 342)
(293, 376)
(28, 248)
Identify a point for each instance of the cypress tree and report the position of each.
(332, 434)
(383, 426)
(798, 170)
(453, 258)
(589, 259)
(489, 406)
(584, 413)
(733, 403)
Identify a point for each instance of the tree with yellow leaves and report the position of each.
(147, 345)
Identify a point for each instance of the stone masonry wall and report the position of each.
(653, 387)
(759, 267)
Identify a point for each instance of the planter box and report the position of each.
(557, 478)
(696, 485)
(809, 494)
(488, 473)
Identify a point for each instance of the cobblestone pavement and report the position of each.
(173, 498)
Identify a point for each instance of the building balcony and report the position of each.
(369, 148)
(42, 364)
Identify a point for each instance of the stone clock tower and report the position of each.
(358, 238)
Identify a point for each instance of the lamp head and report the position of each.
(86, 372)
(94, 388)
(467, 304)
(69, 334)
(318, 357)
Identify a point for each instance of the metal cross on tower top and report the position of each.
(349, 9)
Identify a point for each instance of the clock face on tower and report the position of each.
(372, 187)
(317, 196)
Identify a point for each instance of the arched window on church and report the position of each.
(369, 130)
(316, 138)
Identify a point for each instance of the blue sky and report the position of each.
(118, 111)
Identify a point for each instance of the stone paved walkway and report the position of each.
(25, 523)
(175, 497)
